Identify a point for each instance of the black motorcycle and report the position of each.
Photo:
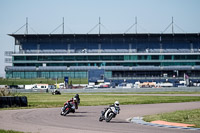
(67, 109)
(77, 99)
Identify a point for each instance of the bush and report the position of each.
(5, 92)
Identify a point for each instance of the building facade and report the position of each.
(105, 56)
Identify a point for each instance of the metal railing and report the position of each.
(108, 68)
(9, 53)
(8, 60)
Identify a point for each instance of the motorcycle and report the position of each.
(77, 99)
(109, 113)
(68, 108)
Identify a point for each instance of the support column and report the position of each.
(99, 48)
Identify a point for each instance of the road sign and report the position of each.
(66, 79)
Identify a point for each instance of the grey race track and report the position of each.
(85, 120)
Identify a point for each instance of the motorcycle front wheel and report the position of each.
(66, 112)
(109, 118)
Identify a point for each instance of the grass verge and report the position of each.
(164, 92)
(9, 131)
(46, 100)
(186, 116)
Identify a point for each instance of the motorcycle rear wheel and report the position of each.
(100, 118)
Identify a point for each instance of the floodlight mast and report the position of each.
(63, 25)
(99, 25)
(136, 24)
(26, 25)
(60, 26)
(172, 25)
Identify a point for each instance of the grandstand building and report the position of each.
(106, 56)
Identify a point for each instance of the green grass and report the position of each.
(9, 131)
(186, 116)
(164, 92)
(40, 80)
(46, 100)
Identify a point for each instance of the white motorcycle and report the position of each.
(109, 113)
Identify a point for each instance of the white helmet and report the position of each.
(116, 103)
(74, 99)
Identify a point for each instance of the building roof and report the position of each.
(107, 35)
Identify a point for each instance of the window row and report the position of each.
(79, 74)
(130, 64)
(106, 58)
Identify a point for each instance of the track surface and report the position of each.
(85, 120)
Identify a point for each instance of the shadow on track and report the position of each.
(75, 115)
(81, 112)
(119, 122)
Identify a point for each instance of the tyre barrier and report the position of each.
(10, 101)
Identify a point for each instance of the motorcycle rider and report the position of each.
(78, 99)
(116, 105)
(72, 103)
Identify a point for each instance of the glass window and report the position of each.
(108, 74)
(31, 57)
(81, 58)
(177, 57)
(155, 57)
(42, 58)
(167, 57)
(18, 74)
(105, 57)
(44, 74)
(117, 57)
(9, 74)
(55, 74)
(142, 57)
(178, 63)
(30, 74)
(130, 57)
(19, 58)
(93, 57)
(192, 57)
(126, 57)
(69, 58)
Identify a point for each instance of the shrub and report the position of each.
(5, 92)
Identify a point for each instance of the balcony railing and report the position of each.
(9, 53)
(8, 60)
(107, 68)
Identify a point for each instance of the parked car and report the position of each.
(13, 87)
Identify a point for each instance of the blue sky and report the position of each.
(82, 15)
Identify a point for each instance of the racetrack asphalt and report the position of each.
(85, 119)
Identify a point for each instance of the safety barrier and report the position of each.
(13, 101)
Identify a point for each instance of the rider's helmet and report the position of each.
(76, 96)
(116, 103)
(74, 99)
